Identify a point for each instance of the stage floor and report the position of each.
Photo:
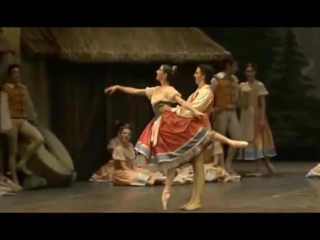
(290, 191)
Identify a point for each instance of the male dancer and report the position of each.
(20, 111)
(201, 100)
(226, 90)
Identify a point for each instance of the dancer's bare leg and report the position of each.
(216, 161)
(257, 170)
(195, 173)
(199, 179)
(167, 189)
(221, 160)
(232, 152)
(36, 140)
(269, 166)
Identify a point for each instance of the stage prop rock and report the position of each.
(52, 165)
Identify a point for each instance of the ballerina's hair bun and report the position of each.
(253, 66)
(174, 69)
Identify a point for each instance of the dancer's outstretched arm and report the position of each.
(128, 90)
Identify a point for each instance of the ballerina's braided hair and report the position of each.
(171, 72)
(252, 65)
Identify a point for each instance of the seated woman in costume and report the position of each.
(106, 171)
(125, 173)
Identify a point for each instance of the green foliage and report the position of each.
(287, 75)
(288, 101)
(258, 45)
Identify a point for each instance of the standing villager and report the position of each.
(254, 124)
(226, 91)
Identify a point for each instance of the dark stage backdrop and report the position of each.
(78, 113)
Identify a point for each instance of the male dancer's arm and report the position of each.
(5, 118)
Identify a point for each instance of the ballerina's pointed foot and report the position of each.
(238, 144)
(165, 198)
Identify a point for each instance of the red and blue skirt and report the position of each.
(179, 140)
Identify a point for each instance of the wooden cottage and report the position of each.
(67, 69)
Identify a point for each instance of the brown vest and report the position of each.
(225, 93)
(17, 99)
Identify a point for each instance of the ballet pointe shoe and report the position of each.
(238, 144)
(165, 198)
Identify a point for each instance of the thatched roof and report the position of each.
(5, 46)
(39, 41)
(123, 44)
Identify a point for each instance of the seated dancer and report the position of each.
(125, 173)
(16, 102)
(106, 171)
(171, 140)
(254, 124)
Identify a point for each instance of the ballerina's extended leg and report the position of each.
(233, 143)
(269, 166)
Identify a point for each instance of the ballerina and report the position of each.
(171, 140)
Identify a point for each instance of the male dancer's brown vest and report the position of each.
(225, 93)
(17, 98)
